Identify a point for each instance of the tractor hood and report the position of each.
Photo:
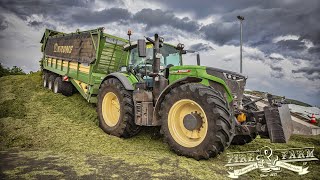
(235, 81)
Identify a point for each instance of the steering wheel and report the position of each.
(143, 67)
(140, 66)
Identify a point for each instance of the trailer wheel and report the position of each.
(45, 79)
(196, 121)
(244, 139)
(116, 110)
(66, 88)
(52, 77)
(57, 85)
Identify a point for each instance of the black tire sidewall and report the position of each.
(66, 88)
(114, 130)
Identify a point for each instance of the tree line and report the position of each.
(15, 70)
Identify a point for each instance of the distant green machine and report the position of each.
(201, 110)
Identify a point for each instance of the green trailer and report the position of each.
(82, 58)
(201, 110)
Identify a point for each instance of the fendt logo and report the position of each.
(268, 162)
(62, 49)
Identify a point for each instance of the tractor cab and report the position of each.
(142, 66)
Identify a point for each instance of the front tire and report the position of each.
(196, 121)
(116, 110)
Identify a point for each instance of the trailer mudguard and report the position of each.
(122, 78)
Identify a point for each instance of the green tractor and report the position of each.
(200, 110)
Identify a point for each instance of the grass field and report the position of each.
(46, 135)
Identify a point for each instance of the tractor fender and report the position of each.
(177, 83)
(122, 78)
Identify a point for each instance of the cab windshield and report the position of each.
(170, 56)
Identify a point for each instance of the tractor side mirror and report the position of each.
(142, 48)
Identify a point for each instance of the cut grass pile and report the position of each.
(46, 135)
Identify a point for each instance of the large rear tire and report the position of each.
(196, 121)
(116, 110)
(244, 139)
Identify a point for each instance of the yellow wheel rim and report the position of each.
(110, 109)
(183, 136)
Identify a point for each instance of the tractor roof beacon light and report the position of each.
(180, 46)
(129, 34)
(241, 18)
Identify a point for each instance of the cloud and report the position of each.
(156, 18)
(221, 33)
(276, 68)
(3, 23)
(41, 24)
(275, 56)
(81, 12)
(315, 50)
(89, 17)
(277, 71)
(311, 73)
(201, 47)
(52, 8)
(278, 75)
(35, 23)
(292, 44)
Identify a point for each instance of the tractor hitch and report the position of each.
(274, 122)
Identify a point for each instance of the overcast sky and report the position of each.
(281, 37)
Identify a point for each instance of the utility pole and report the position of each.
(241, 18)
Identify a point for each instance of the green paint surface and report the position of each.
(200, 72)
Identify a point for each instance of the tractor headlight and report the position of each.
(232, 76)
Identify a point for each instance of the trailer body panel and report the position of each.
(84, 57)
